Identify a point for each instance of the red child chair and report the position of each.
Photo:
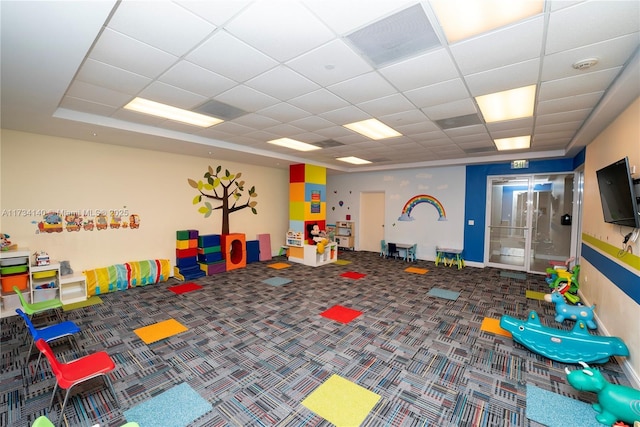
(77, 371)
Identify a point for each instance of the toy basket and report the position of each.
(18, 280)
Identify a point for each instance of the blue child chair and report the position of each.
(47, 333)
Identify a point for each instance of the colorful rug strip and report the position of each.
(555, 410)
(177, 407)
(493, 326)
(443, 293)
(159, 331)
(94, 300)
(341, 402)
(184, 288)
(353, 275)
(535, 295)
(277, 281)
(341, 314)
(279, 265)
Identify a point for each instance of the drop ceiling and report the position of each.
(303, 69)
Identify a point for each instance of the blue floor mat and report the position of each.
(176, 407)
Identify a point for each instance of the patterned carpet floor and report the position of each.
(254, 351)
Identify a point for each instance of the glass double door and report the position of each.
(529, 221)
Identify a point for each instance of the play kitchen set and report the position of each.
(38, 278)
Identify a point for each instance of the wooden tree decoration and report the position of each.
(227, 189)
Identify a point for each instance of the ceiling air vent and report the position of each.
(458, 122)
(220, 110)
(328, 143)
(399, 36)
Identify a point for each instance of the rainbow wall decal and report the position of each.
(422, 198)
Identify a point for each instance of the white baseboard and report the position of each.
(633, 376)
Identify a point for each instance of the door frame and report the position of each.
(574, 247)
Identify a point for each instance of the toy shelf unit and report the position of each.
(44, 281)
(345, 234)
(295, 239)
(312, 258)
(14, 271)
(73, 289)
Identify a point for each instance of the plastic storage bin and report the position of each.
(19, 280)
(5, 262)
(14, 269)
(44, 274)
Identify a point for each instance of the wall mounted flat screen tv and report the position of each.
(617, 195)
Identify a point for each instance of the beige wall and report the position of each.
(619, 314)
(41, 172)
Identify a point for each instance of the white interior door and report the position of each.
(371, 228)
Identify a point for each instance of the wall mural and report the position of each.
(86, 220)
(422, 198)
(225, 189)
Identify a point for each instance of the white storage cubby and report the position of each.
(9, 300)
(44, 281)
(73, 289)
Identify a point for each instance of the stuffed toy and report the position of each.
(317, 237)
(5, 243)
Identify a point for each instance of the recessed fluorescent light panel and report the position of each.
(462, 19)
(514, 143)
(353, 160)
(293, 144)
(507, 105)
(157, 109)
(373, 129)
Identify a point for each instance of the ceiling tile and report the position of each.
(282, 83)
(451, 109)
(246, 98)
(226, 55)
(567, 116)
(429, 96)
(131, 55)
(87, 106)
(284, 112)
(196, 79)
(216, 12)
(577, 102)
(585, 83)
(363, 88)
(504, 78)
(269, 28)
(346, 16)
(505, 46)
(331, 63)
(171, 95)
(567, 26)
(318, 102)
(424, 70)
(181, 29)
(345, 115)
(105, 75)
(98, 94)
(387, 105)
(611, 53)
(256, 121)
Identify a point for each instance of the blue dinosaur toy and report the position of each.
(573, 312)
(615, 402)
(563, 346)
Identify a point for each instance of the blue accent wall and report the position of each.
(623, 278)
(476, 196)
